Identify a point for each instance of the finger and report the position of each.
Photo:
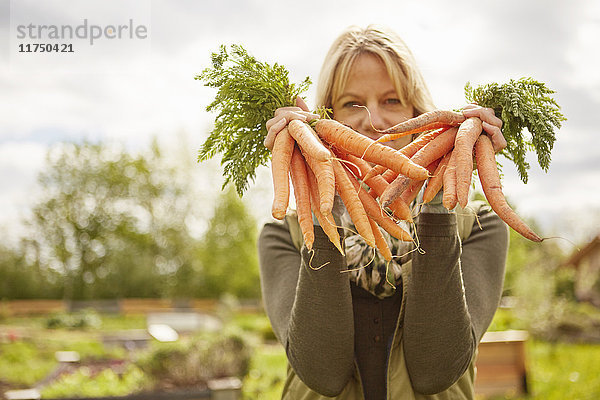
(489, 116)
(309, 115)
(470, 106)
(273, 121)
(496, 136)
(289, 115)
(484, 114)
(283, 110)
(272, 132)
(301, 103)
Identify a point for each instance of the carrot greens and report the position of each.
(248, 93)
(522, 103)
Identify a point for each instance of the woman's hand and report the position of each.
(492, 125)
(283, 116)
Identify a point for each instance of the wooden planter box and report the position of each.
(501, 364)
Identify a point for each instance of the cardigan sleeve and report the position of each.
(310, 308)
(452, 297)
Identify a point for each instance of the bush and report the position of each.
(84, 383)
(193, 362)
(80, 320)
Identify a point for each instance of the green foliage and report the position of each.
(505, 319)
(85, 383)
(564, 371)
(229, 255)
(525, 255)
(110, 223)
(249, 92)
(255, 323)
(24, 362)
(522, 103)
(23, 278)
(194, 361)
(80, 320)
(267, 374)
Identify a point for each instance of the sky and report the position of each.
(132, 89)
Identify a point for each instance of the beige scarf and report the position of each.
(367, 268)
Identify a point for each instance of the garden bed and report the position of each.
(198, 365)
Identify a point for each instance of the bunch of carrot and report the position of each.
(377, 183)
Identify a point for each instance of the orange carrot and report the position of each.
(308, 140)
(299, 177)
(413, 189)
(492, 188)
(468, 132)
(430, 120)
(410, 149)
(327, 222)
(394, 190)
(431, 151)
(376, 170)
(374, 211)
(401, 210)
(449, 200)
(389, 176)
(325, 177)
(434, 184)
(377, 185)
(353, 204)
(353, 142)
(380, 242)
(280, 165)
(436, 148)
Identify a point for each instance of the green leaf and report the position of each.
(248, 93)
(522, 104)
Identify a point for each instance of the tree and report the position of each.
(229, 255)
(21, 278)
(112, 223)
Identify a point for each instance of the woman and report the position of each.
(409, 331)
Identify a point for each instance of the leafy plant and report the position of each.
(79, 320)
(249, 92)
(84, 383)
(25, 362)
(522, 103)
(194, 362)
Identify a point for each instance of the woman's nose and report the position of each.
(373, 121)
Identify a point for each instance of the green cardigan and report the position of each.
(448, 299)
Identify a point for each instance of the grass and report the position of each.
(267, 373)
(22, 363)
(560, 371)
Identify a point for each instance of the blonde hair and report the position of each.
(391, 49)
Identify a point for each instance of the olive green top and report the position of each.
(335, 333)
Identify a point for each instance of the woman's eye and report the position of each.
(393, 101)
(351, 104)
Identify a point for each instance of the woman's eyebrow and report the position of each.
(348, 94)
(391, 92)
